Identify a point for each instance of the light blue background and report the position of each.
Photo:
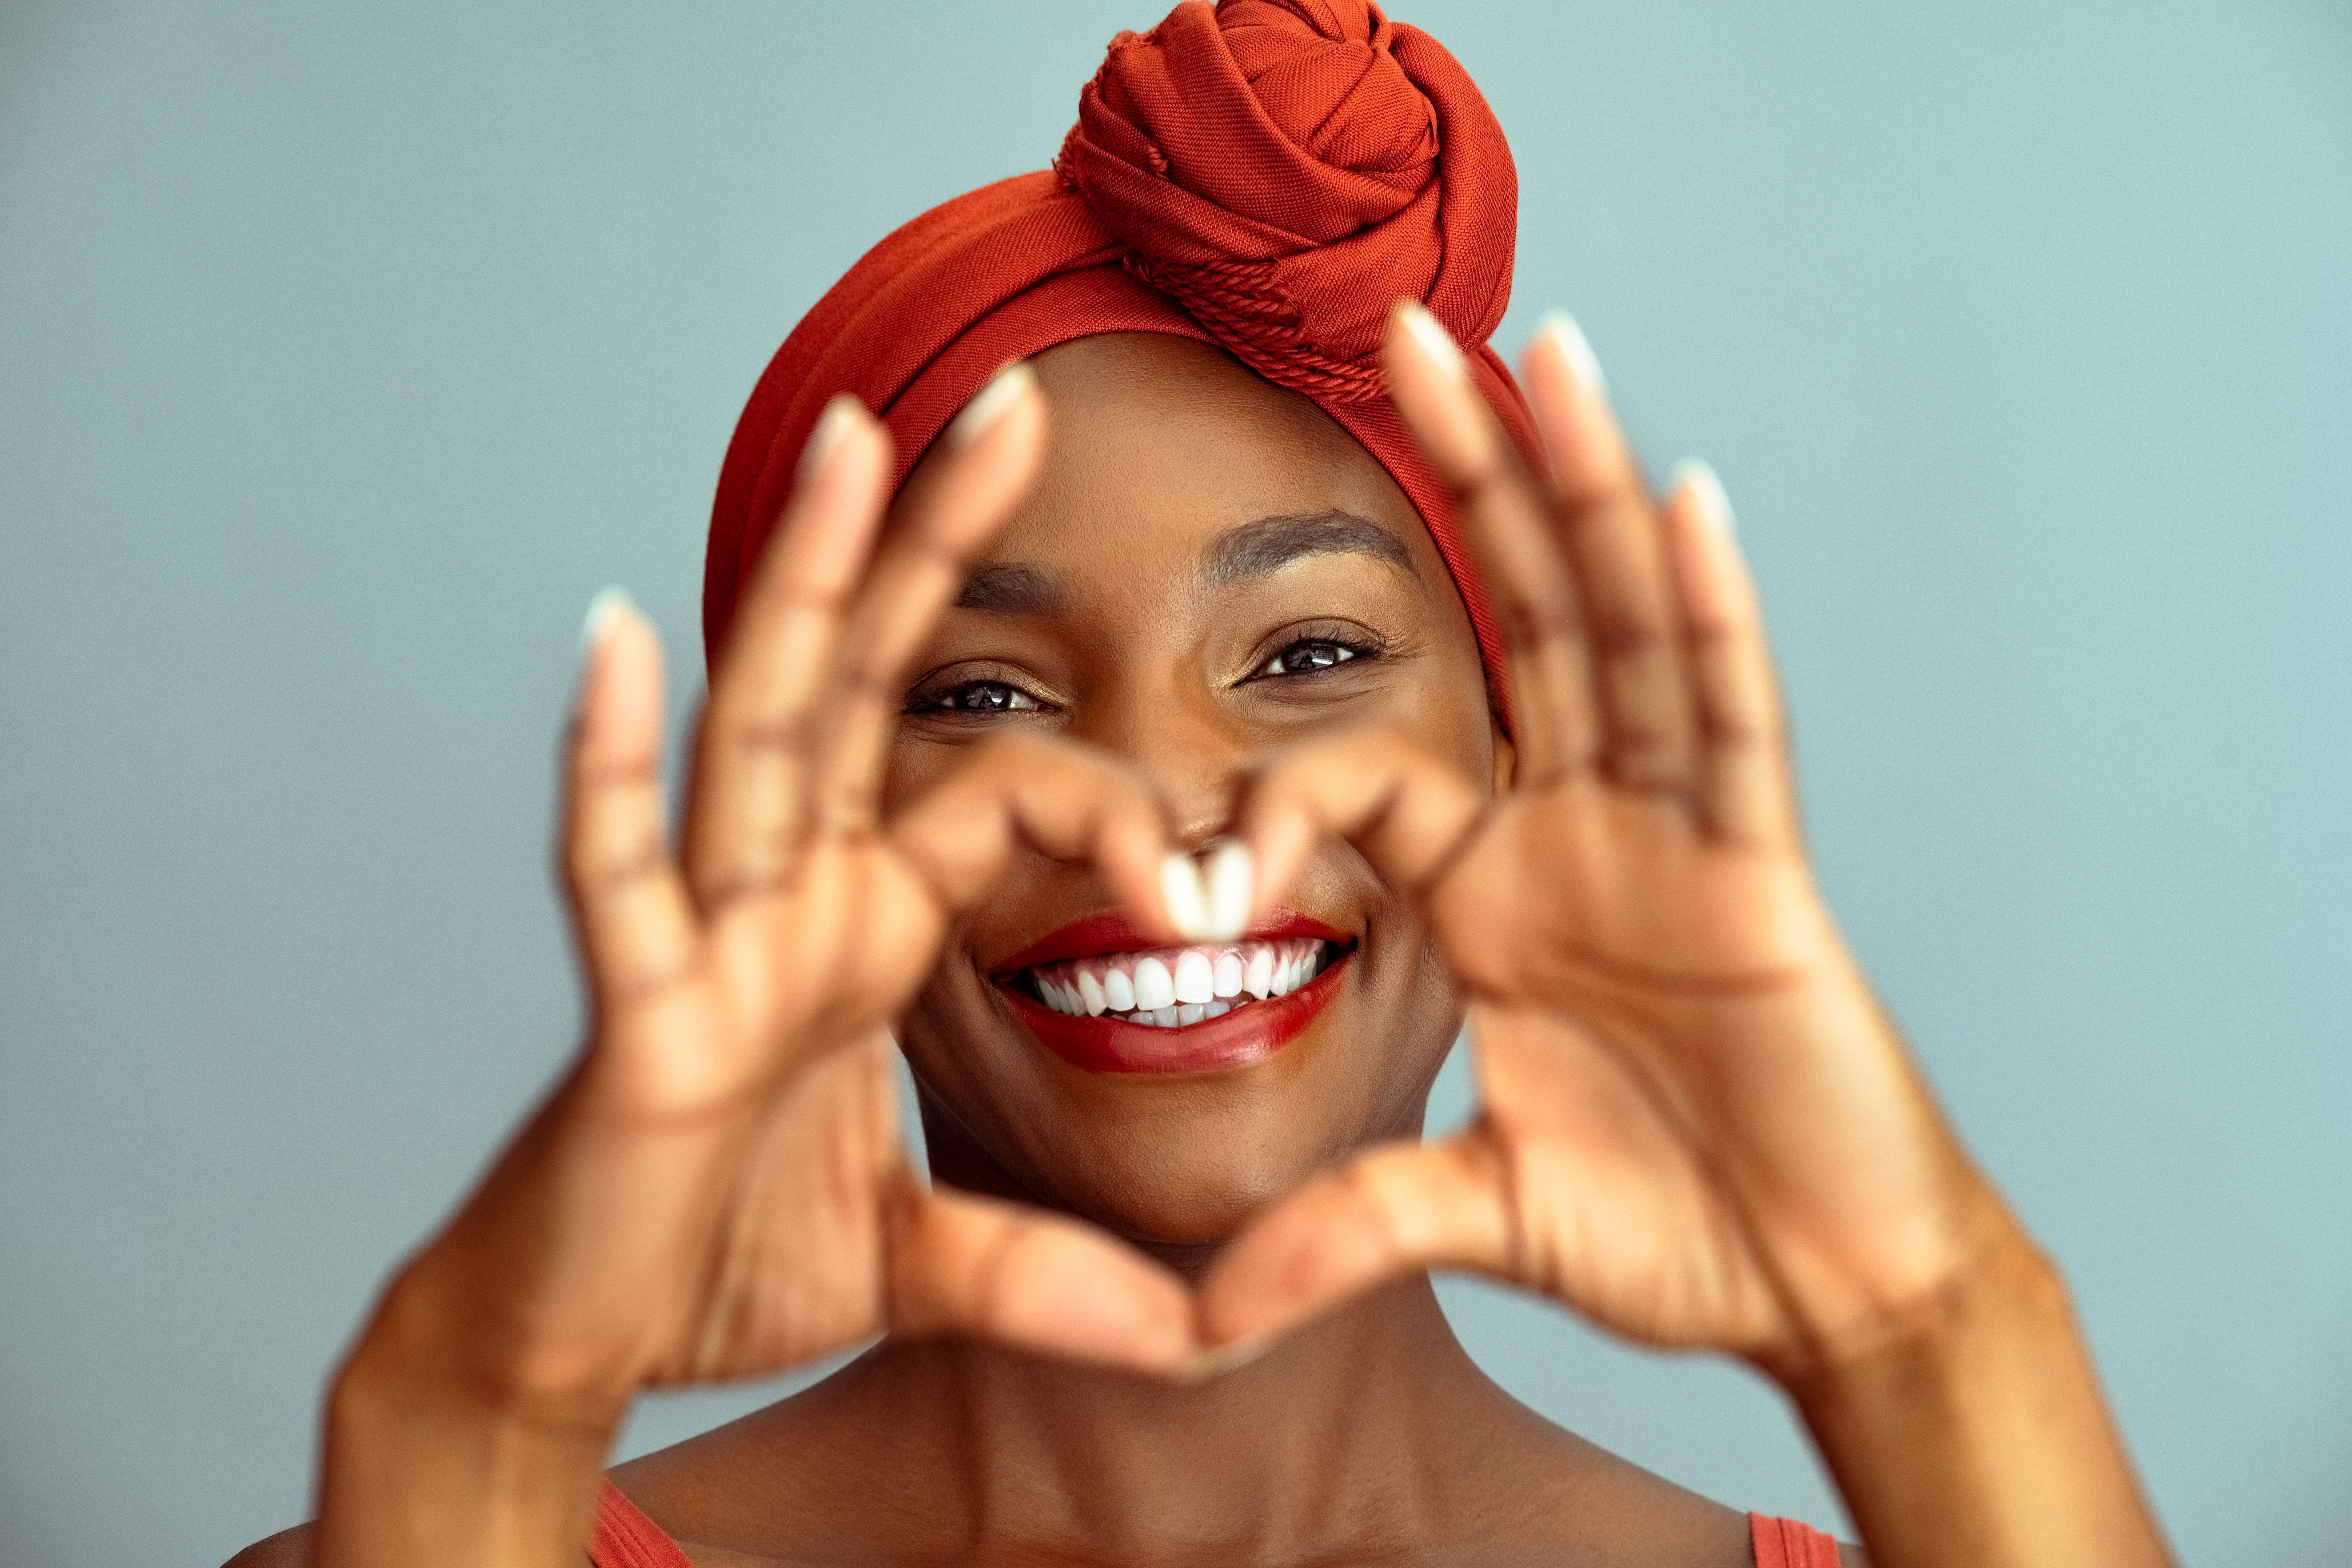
(345, 350)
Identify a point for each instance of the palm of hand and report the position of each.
(1618, 964)
(718, 1189)
(779, 1030)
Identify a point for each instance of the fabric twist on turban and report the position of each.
(1269, 177)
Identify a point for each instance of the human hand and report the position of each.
(718, 1189)
(1696, 1126)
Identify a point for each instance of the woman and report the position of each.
(1168, 786)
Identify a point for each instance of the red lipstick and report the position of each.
(1113, 931)
(1106, 1043)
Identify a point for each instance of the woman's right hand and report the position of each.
(718, 1188)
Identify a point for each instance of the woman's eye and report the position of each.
(979, 697)
(1307, 657)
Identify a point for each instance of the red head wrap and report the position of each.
(1267, 176)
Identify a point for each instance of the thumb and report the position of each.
(1391, 1211)
(965, 1265)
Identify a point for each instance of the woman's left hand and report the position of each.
(1696, 1126)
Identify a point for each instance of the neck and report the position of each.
(1323, 1443)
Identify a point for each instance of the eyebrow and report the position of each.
(1010, 591)
(1271, 543)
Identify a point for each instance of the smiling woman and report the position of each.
(1166, 740)
(1270, 583)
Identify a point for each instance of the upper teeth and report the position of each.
(1178, 986)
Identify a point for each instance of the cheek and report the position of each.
(910, 767)
(1444, 705)
(918, 758)
(1447, 715)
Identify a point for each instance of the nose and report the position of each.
(1174, 731)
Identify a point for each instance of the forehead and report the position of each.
(1159, 446)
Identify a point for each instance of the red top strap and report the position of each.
(1785, 1543)
(625, 1538)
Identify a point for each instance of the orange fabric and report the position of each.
(625, 1538)
(1785, 1543)
(1266, 175)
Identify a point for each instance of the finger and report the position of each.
(1067, 802)
(754, 782)
(1618, 551)
(1526, 577)
(974, 1265)
(1390, 1212)
(636, 927)
(1404, 809)
(1748, 793)
(996, 443)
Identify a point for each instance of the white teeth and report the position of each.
(1154, 989)
(1195, 982)
(1174, 987)
(1257, 978)
(1285, 977)
(1118, 991)
(1227, 981)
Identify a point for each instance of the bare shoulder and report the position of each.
(1541, 1494)
(287, 1549)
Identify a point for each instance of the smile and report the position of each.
(1097, 997)
(1170, 988)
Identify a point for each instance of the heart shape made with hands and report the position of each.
(1695, 1126)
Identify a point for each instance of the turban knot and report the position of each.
(1266, 175)
(1286, 169)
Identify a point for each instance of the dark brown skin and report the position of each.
(1698, 1128)
(1161, 448)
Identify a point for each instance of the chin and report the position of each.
(1169, 1094)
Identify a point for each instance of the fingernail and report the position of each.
(1434, 341)
(1232, 879)
(1577, 350)
(1223, 1359)
(841, 412)
(608, 607)
(988, 405)
(1707, 491)
(1180, 892)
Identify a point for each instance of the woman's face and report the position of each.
(1209, 570)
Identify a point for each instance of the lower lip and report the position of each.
(1243, 1036)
